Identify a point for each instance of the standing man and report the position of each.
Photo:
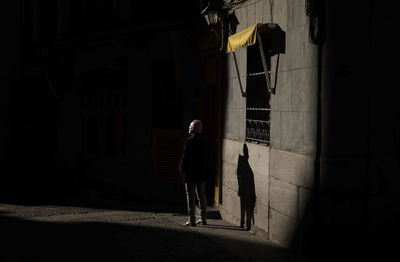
(193, 167)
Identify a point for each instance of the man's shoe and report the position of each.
(190, 223)
(201, 221)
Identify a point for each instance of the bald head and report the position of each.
(195, 127)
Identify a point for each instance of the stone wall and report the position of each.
(258, 161)
(284, 170)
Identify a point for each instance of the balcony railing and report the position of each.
(258, 131)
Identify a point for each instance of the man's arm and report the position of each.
(185, 155)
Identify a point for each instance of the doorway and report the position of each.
(210, 114)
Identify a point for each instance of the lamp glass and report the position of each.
(213, 17)
(207, 18)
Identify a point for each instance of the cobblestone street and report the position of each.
(129, 232)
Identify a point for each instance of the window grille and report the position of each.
(257, 99)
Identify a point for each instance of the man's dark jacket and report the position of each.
(194, 159)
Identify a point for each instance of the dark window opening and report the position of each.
(257, 100)
(166, 101)
(104, 123)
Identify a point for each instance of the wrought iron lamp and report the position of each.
(214, 19)
(211, 16)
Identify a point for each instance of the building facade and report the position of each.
(98, 95)
(11, 64)
(281, 166)
(314, 181)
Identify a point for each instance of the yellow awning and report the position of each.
(244, 38)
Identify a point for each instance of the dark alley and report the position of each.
(207, 130)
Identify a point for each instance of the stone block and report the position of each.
(281, 101)
(266, 12)
(239, 88)
(235, 123)
(241, 15)
(229, 175)
(292, 131)
(251, 15)
(295, 48)
(239, 102)
(304, 90)
(236, 95)
(261, 187)
(231, 202)
(241, 123)
(241, 60)
(258, 162)
(274, 61)
(310, 132)
(290, 13)
(279, 15)
(242, 99)
(231, 124)
(306, 206)
(241, 56)
(275, 131)
(261, 215)
(293, 168)
(310, 52)
(227, 94)
(283, 62)
(230, 67)
(281, 228)
(299, 13)
(258, 158)
(260, 5)
(228, 216)
(283, 198)
(231, 150)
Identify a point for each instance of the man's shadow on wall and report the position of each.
(246, 192)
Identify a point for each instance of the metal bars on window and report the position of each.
(257, 99)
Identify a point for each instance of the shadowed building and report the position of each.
(323, 144)
(105, 92)
(98, 95)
